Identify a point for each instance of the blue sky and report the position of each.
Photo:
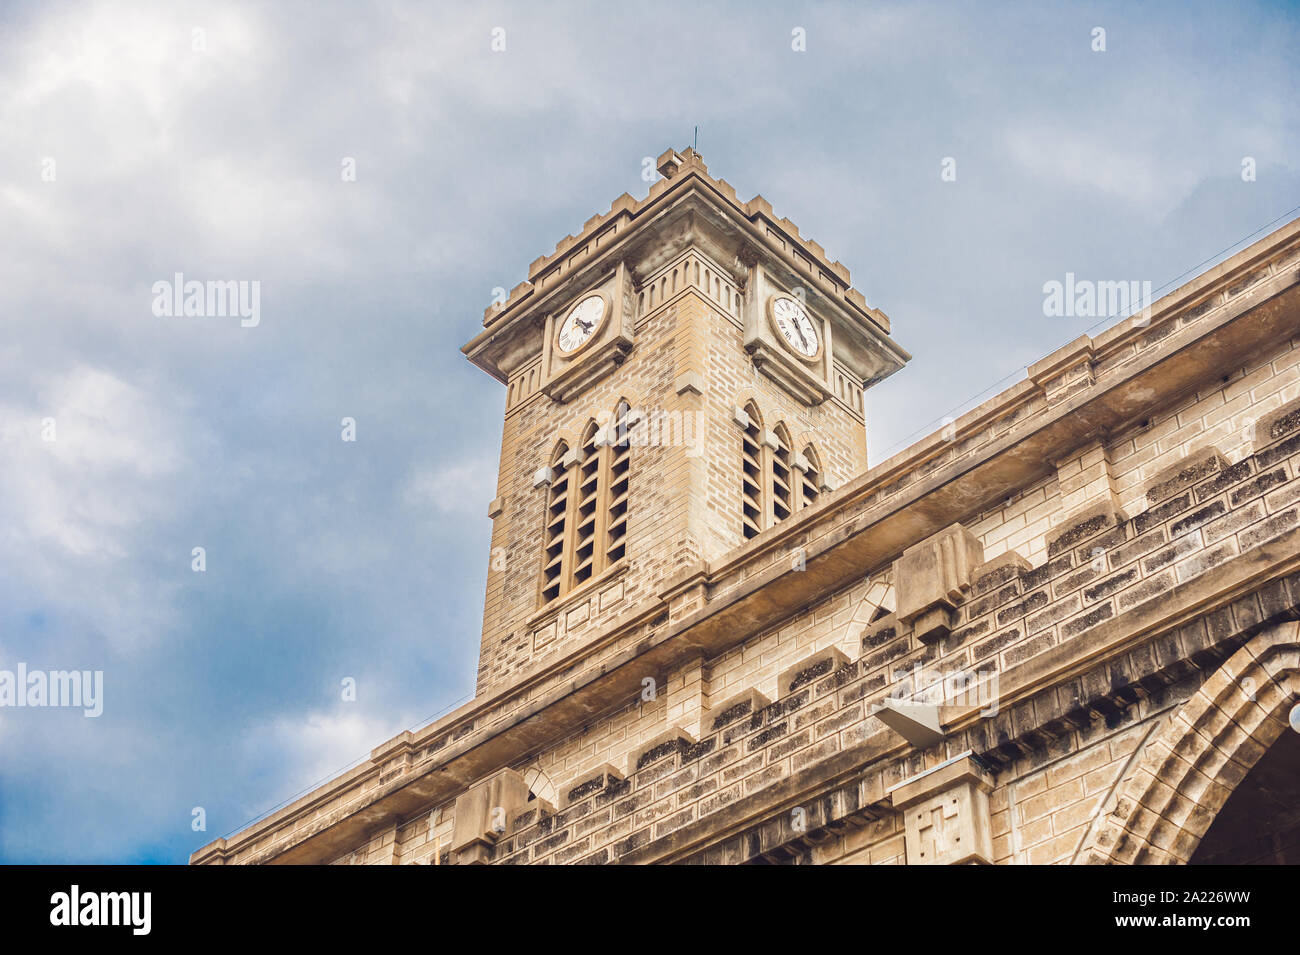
(218, 154)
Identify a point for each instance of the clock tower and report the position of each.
(682, 375)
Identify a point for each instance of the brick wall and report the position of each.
(1187, 527)
(684, 506)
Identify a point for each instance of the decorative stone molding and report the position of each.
(534, 811)
(1001, 570)
(946, 814)
(1188, 770)
(820, 664)
(733, 710)
(932, 577)
(1066, 372)
(918, 723)
(496, 507)
(573, 456)
(543, 476)
(1277, 424)
(672, 743)
(483, 813)
(603, 777)
(1182, 474)
(1085, 524)
(879, 632)
(689, 382)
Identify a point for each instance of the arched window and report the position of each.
(809, 470)
(752, 479)
(774, 480)
(783, 490)
(556, 520)
(587, 506)
(586, 531)
(618, 469)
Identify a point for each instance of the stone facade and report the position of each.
(1061, 630)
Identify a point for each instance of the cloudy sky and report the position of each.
(140, 140)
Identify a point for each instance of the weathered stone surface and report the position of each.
(1084, 524)
(1277, 424)
(484, 811)
(933, 576)
(1179, 476)
(947, 814)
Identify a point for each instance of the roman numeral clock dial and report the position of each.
(790, 320)
(581, 324)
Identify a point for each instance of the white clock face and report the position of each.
(581, 323)
(792, 321)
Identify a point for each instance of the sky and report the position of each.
(378, 169)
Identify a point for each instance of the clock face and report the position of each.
(581, 324)
(792, 321)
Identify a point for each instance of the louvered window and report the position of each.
(783, 501)
(554, 536)
(811, 478)
(774, 480)
(619, 469)
(585, 555)
(752, 475)
(587, 507)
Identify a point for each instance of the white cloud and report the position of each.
(309, 748)
(444, 489)
(74, 507)
(1091, 157)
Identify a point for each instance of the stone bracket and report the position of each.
(742, 706)
(933, 577)
(918, 723)
(602, 777)
(483, 814)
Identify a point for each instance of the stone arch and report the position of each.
(1192, 764)
(632, 397)
(877, 602)
(744, 399)
(570, 436)
(539, 785)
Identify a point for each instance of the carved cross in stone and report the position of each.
(937, 834)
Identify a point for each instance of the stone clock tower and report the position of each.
(682, 375)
